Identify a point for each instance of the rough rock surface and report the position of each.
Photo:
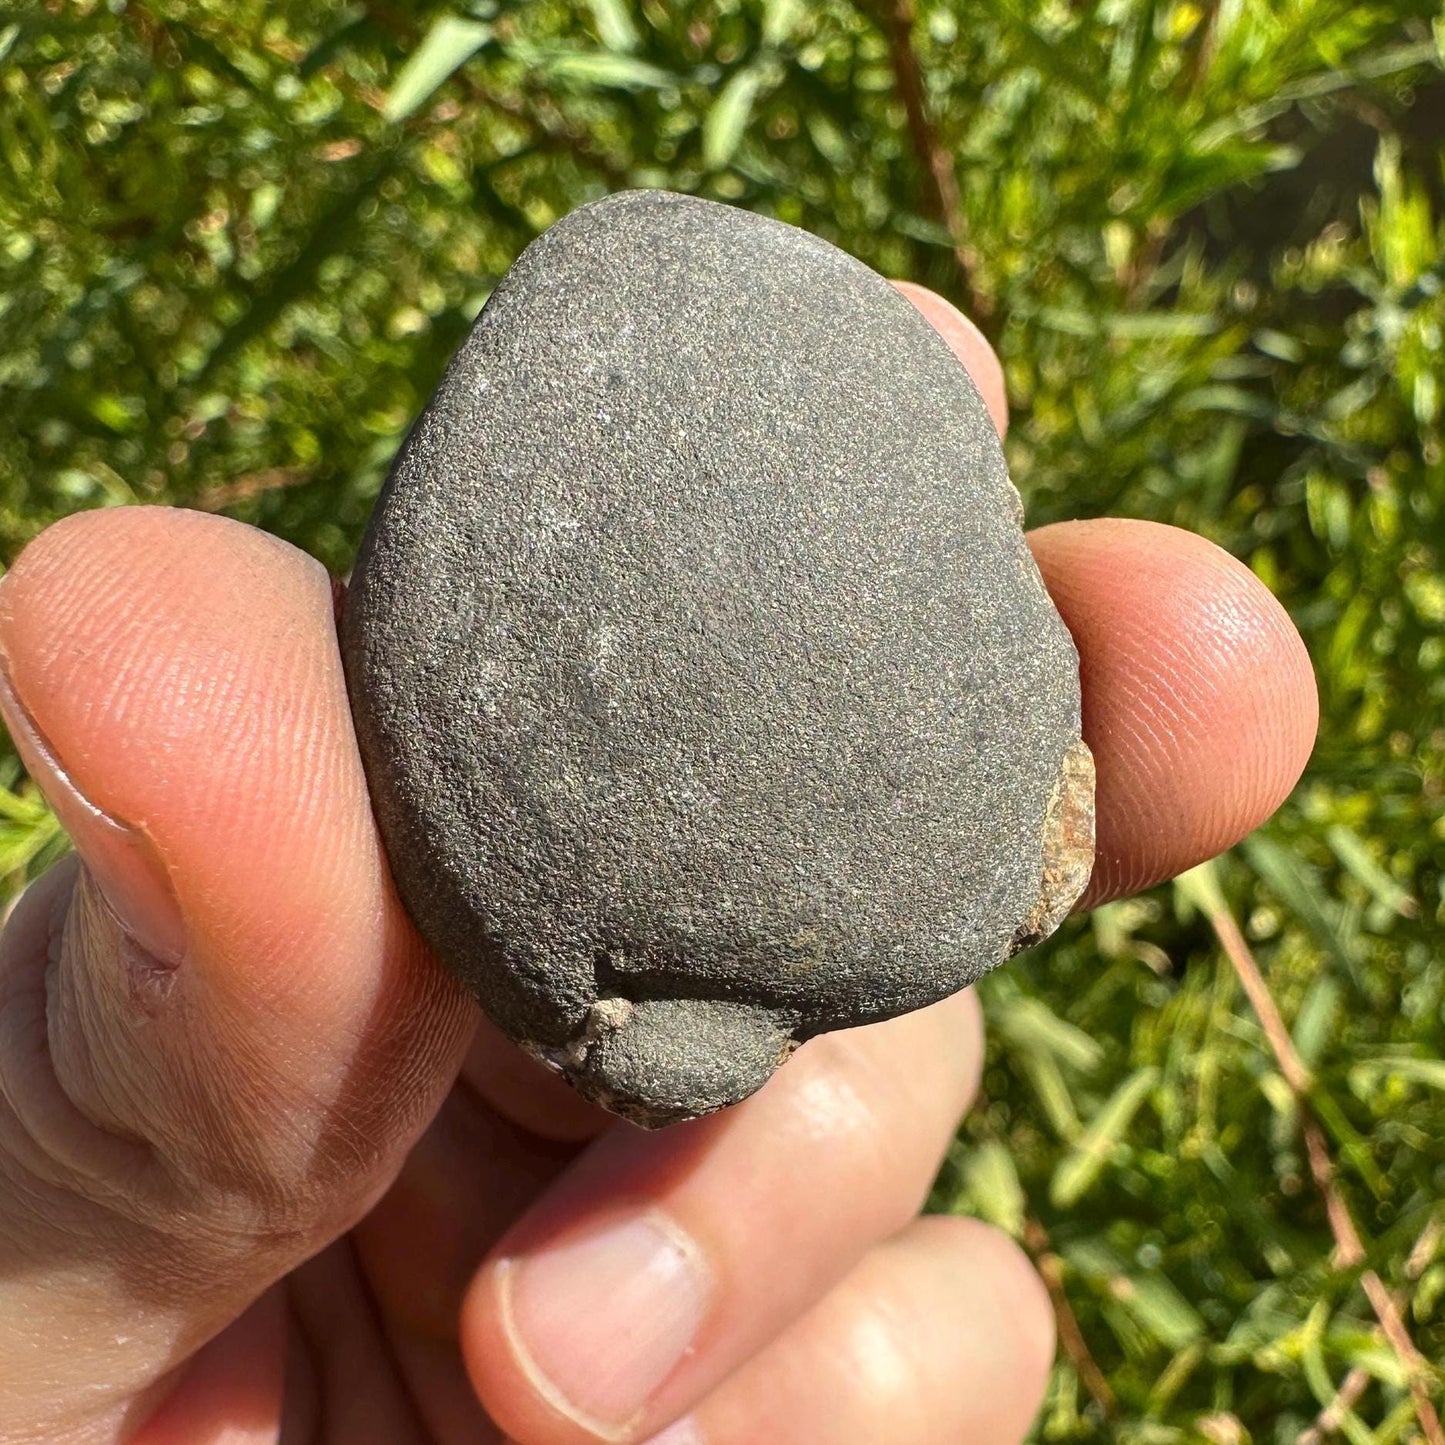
(707, 690)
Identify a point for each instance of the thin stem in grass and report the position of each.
(1207, 31)
(1328, 1421)
(895, 18)
(1349, 1250)
(1071, 1334)
(250, 485)
(1332, 1417)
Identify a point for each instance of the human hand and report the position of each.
(263, 1172)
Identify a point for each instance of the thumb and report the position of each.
(218, 1032)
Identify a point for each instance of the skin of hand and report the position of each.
(266, 1176)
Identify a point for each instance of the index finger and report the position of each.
(1200, 704)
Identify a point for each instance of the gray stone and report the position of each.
(707, 690)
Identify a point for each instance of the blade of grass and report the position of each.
(1083, 1164)
(447, 46)
(1350, 1252)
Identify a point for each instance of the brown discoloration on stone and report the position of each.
(1068, 847)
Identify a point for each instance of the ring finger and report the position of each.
(943, 1333)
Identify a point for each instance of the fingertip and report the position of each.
(995, 1272)
(969, 344)
(91, 560)
(180, 677)
(184, 678)
(1200, 703)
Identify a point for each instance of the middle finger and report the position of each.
(658, 1263)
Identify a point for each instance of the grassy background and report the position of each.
(239, 240)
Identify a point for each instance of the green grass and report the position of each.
(238, 242)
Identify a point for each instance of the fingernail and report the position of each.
(682, 1433)
(599, 1322)
(120, 858)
